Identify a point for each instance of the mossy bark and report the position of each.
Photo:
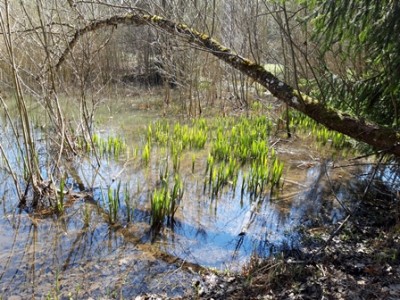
(383, 139)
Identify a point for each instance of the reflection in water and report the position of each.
(79, 254)
(53, 257)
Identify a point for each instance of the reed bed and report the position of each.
(238, 148)
(240, 143)
(110, 147)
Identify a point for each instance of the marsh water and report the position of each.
(81, 254)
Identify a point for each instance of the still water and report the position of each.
(80, 254)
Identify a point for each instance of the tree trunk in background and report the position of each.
(381, 138)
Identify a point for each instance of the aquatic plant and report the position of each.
(236, 144)
(176, 195)
(210, 162)
(109, 147)
(149, 134)
(276, 173)
(113, 202)
(159, 200)
(198, 139)
(164, 203)
(161, 133)
(321, 134)
(191, 137)
(176, 151)
(146, 153)
(164, 176)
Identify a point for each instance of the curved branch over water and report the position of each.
(381, 138)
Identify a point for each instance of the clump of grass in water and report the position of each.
(258, 178)
(220, 174)
(114, 199)
(246, 142)
(146, 153)
(113, 196)
(235, 143)
(322, 135)
(110, 147)
(176, 196)
(276, 172)
(161, 133)
(164, 202)
(159, 199)
(176, 151)
(191, 137)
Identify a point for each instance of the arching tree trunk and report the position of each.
(380, 138)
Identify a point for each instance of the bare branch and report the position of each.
(379, 137)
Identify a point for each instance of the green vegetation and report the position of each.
(113, 202)
(238, 143)
(321, 134)
(105, 147)
(146, 153)
(164, 202)
(345, 54)
(230, 154)
(233, 144)
(367, 83)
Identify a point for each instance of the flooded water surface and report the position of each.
(95, 250)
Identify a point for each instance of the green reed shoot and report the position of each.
(129, 209)
(146, 153)
(176, 196)
(164, 202)
(276, 172)
(159, 201)
(112, 146)
(164, 176)
(210, 162)
(113, 203)
(149, 134)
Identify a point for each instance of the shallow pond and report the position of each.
(83, 253)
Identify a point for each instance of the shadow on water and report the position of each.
(80, 254)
